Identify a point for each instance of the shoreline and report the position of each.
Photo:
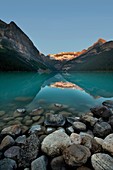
(59, 142)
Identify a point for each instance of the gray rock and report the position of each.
(55, 142)
(88, 119)
(79, 126)
(50, 130)
(29, 151)
(7, 164)
(69, 130)
(12, 152)
(76, 155)
(102, 111)
(102, 129)
(21, 110)
(111, 121)
(12, 130)
(37, 112)
(6, 142)
(108, 143)
(39, 163)
(86, 139)
(101, 161)
(75, 138)
(108, 103)
(54, 120)
(35, 129)
(21, 139)
(58, 163)
(99, 140)
(2, 113)
(71, 120)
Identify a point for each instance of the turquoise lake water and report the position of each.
(31, 90)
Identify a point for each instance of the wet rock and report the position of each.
(96, 147)
(55, 142)
(71, 120)
(35, 118)
(86, 139)
(37, 129)
(65, 113)
(6, 142)
(79, 126)
(7, 119)
(111, 121)
(102, 129)
(21, 139)
(76, 155)
(108, 103)
(50, 130)
(75, 138)
(69, 130)
(54, 120)
(41, 120)
(29, 151)
(108, 143)
(24, 129)
(12, 130)
(58, 163)
(88, 119)
(2, 113)
(101, 161)
(28, 122)
(12, 152)
(102, 111)
(21, 110)
(39, 163)
(7, 164)
(37, 112)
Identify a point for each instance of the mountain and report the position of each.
(17, 52)
(98, 57)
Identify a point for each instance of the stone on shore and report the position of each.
(58, 163)
(101, 161)
(55, 142)
(12, 130)
(6, 142)
(39, 163)
(12, 152)
(108, 103)
(76, 155)
(7, 164)
(79, 126)
(108, 143)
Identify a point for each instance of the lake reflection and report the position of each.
(76, 90)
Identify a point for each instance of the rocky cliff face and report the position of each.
(17, 52)
(98, 57)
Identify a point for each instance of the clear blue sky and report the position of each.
(61, 25)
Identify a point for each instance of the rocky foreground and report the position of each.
(60, 143)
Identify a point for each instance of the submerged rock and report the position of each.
(108, 103)
(54, 120)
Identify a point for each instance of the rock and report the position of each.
(21, 110)
(39, 163)
(2, 113)
(21, 139)
(37, 129)
(35, 118)
(65, 113)
(96, 147)
(55, 142)
(54, 120)
(29, 151)
(102, 111)
(37, 112)
(86, 139)
(41, 138)
(75, 138)
(111, 121)
(69, 130)
(99, 140)
(101, 161)
(12, 130)
(28, 122)
(83, 168)
(7, 164)
(6, 142)
(90, 120)
(41, 120)
(12, 152)
(58, 163)
(61, 129)
(102, 129)
(50, 130)
(108, 143)
(71, 120)
(79, 126)
(76, 155)
(108, 103)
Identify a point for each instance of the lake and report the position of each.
(76, 92)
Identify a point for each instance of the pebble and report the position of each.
(79, 126)
(40, 163)
(75, 138)
(12, 130)
(12, 152)
(6, 142)
(7, 164)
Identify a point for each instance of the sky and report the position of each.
(61, 25)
